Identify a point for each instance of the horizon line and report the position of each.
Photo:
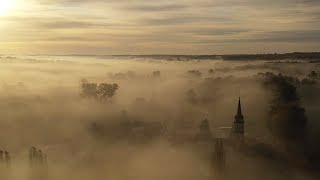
(238, 54)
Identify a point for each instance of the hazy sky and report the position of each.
(159, 26)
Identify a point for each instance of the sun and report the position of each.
(6, 6)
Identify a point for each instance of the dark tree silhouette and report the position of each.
(156, 73)
(195, 73)
(218, 157)
(89, 90)
(107, 91)
(102, 92)
(314, 75)
(287, 116)
(204, 133)
(37, 157)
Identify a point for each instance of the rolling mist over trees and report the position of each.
(140, 118)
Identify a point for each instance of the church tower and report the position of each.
(238, 125)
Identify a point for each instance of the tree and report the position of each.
(107, 91)
(314, 75)
(204, 133)
(89, 90)
(101, 92)
(195, 73)
(287, 119)
(156, 73)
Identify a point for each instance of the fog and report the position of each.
(147, 129)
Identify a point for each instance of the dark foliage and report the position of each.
(204, 133)
(89, 90)
(156, 73)
(126, 128)
(107, 91)
(287, 116)
(275, 56)
(314, 75)
(102, 92)
(195, 73)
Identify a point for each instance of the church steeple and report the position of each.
(239, 116)
(238, 125)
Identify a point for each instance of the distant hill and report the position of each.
(287, 56)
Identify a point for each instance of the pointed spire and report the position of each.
(239, 112)
(239, 116)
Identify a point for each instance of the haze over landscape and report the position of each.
(177, 90)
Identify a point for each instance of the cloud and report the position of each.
(309, 36)
(69, 24)
(155, 8)
(290, 36)
(204, 22)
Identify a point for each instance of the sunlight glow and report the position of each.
(6, 6)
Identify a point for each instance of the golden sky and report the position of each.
(158, 26)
